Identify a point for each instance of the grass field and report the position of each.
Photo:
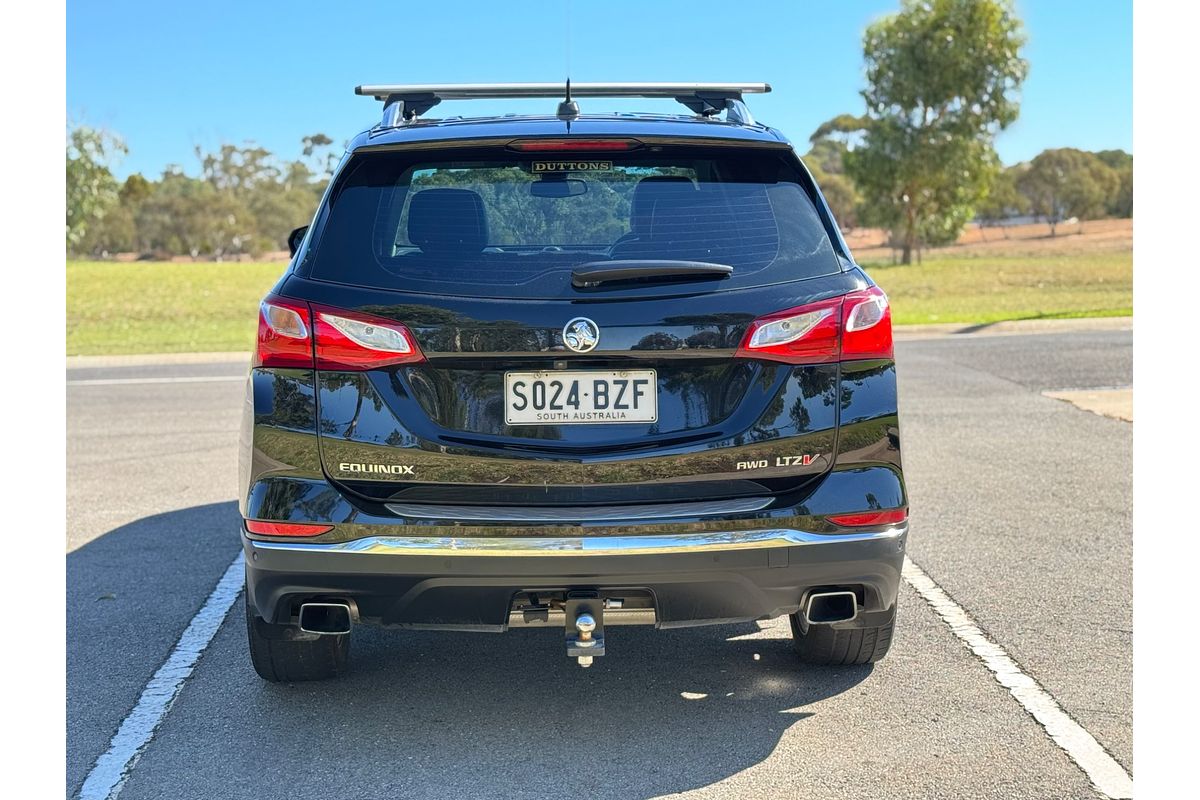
(154, 307)
(161, 307)
(995, 288)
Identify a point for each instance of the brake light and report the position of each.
(348, 340)
(572, 145)
(283, 334)
(854, 326)
(291, 333)
(864, 519)
(285, 528)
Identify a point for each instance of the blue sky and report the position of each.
(172, 76)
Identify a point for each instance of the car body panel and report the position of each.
(808, 440)
(474, 592)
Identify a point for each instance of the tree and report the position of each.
(826, 154)
(942, 77)
(1003, 199)
(1121, 202)
(91, 187)
(188, 215)
(840, 194)
(135, 189)
(1066, 183)
(321, 159)
(279, 207)
(117, 232)
(1116, 159)
(825, 163)
(246, 200)
(268, 199)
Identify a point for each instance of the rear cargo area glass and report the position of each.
(489, 222)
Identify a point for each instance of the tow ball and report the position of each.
(584, 614)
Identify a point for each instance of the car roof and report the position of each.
(454, 129)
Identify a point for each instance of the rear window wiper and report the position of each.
(595, 273)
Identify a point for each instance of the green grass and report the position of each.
(155, 307)
(995, 288)
(151, 307)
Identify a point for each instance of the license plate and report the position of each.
(558, 398)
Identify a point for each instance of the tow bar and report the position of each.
(584, 614)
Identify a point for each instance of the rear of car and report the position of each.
(575, 381)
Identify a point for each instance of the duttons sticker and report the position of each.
(571, 166)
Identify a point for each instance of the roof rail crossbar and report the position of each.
(406, 102)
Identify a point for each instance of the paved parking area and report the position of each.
(1021, 514)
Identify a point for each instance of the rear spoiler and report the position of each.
(406, 102)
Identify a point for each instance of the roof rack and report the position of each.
(406, 102)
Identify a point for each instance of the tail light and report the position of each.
(864, 519)
(292, 333)
(855, 326)
(284, 334)
(353, 341)
(804, 335)
(285, 528)
(866, 325)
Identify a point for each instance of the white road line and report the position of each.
(1108, 776)
(112, 768)
(133, 381)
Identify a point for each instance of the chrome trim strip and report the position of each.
(581, 545)
(700, 508)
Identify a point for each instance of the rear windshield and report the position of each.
(501, 224)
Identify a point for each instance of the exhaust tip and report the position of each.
(826, 608)
(327, 619)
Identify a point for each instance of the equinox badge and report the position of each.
(386, 469)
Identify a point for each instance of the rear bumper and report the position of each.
(470, 582)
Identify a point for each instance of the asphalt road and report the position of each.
(1021, 513)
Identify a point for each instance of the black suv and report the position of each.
(574, 371)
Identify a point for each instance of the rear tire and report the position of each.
(283, 654)
(834, 646)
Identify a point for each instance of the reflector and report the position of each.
(865, 518)
(285, 528)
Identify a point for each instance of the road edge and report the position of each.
(1013, 327)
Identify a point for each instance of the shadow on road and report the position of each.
(419, 713)
(477, 715)
(130, 594)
